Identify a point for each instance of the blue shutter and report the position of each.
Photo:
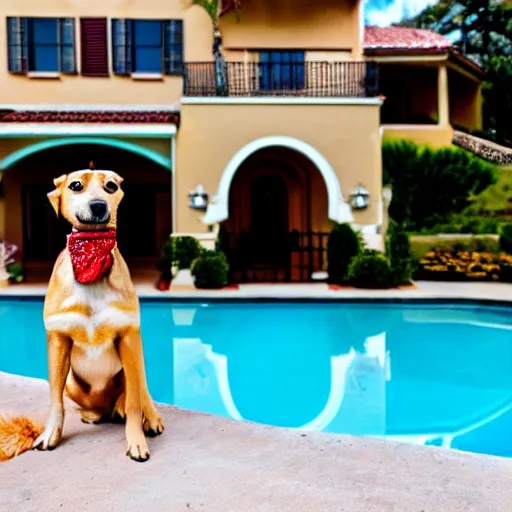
(173, 46)
(17, 45)
(67, 45)
(122, 46)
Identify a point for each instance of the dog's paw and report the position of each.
(49, 439)
(137, 448)
(153, 427)
(52, 433)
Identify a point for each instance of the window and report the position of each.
(41, 45)
(94, 50)
(281, 70)
(147, 46)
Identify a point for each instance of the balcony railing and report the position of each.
(305, 79)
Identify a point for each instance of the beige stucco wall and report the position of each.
(210, 136)
(294, 24)
(434, 136)
(465, 101)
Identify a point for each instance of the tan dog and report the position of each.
(92, 320)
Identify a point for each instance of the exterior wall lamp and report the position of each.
(359, 198)
(198, 199)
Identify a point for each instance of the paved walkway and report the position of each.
(211, 464)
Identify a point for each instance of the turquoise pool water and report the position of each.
(424, 374)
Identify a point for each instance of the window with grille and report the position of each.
(281, 70)
(147, 46)
(41, 45)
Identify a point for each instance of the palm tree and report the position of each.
(214, 9)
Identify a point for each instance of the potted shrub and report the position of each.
(210, 270)
(7, 252)
(370, 271)
(165, 265)
(185, 250)
(343, 245)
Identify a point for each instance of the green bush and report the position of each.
(210, 270)
(370, 271)
(343, 244)
(16, 272)
(399, 253)
(186, 249)
(430, 184)
(506, 238)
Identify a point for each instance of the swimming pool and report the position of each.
(426, 374)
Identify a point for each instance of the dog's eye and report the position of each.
(76, 186)
(111, 187)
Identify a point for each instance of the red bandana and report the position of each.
(91, 254)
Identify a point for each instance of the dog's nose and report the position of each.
(98, 209)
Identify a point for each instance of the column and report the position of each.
(443, 103)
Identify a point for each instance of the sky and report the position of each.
(385, 12)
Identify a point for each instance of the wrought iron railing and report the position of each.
(310, 79)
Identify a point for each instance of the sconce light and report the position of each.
(198, 198)
(359, 199)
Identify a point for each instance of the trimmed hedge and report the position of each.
(210, 270)
(430, 184)
(370, 271)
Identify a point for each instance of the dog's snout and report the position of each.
(98, 209)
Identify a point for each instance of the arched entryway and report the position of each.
(145, 213)
(278, 218)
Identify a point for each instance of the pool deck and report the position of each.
(213, 464)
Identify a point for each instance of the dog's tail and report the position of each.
(17, 435)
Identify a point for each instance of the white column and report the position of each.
(443, 103)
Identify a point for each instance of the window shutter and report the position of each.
(122, 46)
(67, 45)
(94, 46)
(173, 46)
(17, 46)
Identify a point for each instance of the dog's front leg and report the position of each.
(132, 359)
(59, 350)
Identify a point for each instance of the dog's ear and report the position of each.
(54, 195)
(118, 179)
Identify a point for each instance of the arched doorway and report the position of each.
(144, 217)
(278, 224)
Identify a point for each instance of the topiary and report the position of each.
(343, 244)
(186, 250)
(506, 238)
(210, 270)
(399, 253)
(370, 271)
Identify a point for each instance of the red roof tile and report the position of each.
(404, 38)
(105, 117)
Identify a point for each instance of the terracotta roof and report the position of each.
(104, 117)
(404, 38)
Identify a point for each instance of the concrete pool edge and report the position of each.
(499, 293)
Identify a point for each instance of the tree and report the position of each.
(483, 32)
(214, 9)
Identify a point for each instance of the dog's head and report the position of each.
(88, 199)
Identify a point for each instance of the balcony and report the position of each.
(301, 79)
